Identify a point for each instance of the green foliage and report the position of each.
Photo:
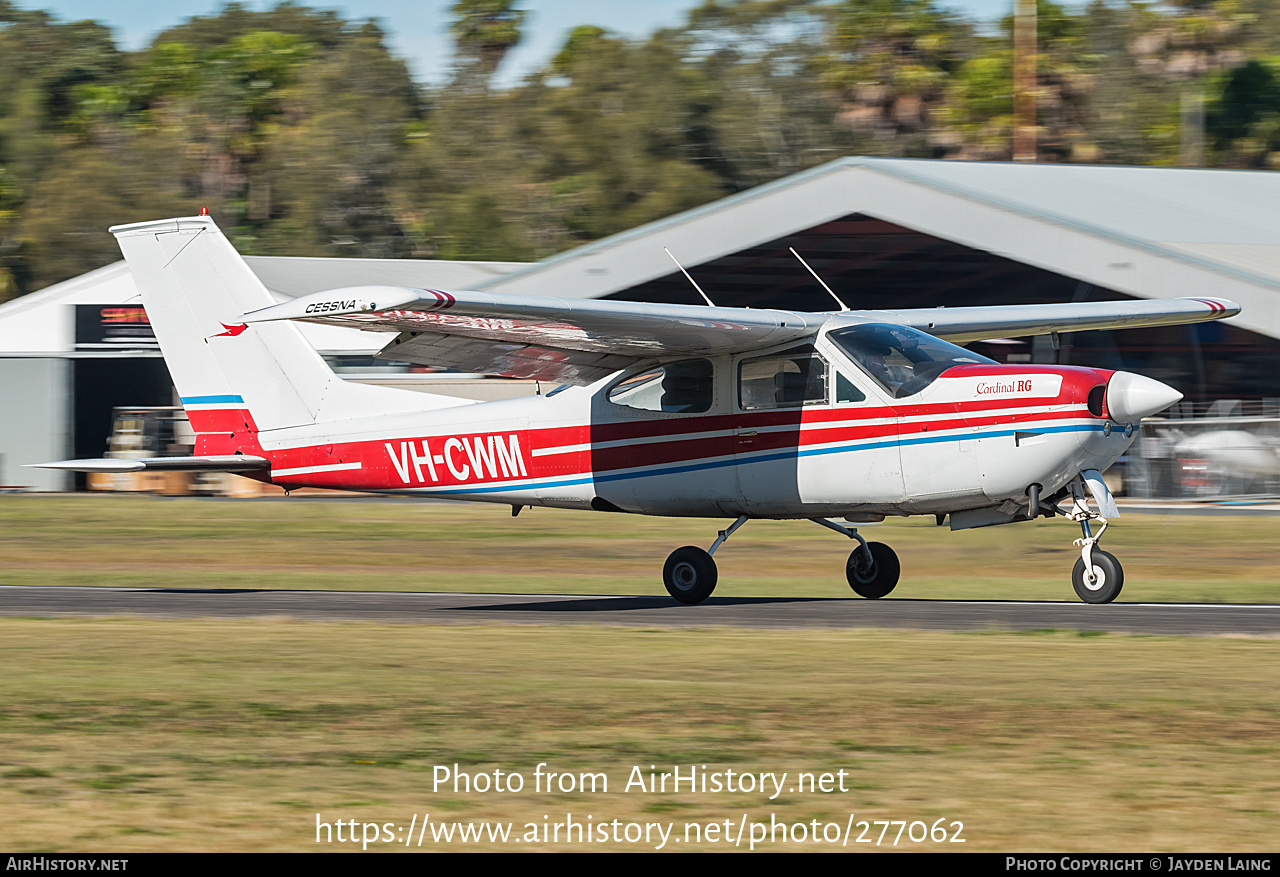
(304, 135)
(1243, 116)
(485, 30)
(333, 158)
(11, 261)
(321, 27)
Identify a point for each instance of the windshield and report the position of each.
(902, 360)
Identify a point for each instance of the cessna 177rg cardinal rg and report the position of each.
(665, 410)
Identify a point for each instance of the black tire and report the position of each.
(1110, 578)
(690, 574)
(876, 576)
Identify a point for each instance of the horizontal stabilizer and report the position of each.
(226, 463)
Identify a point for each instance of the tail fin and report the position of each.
(194, 285)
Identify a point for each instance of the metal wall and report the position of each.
(35, 421)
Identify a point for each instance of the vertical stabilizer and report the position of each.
(194, 285)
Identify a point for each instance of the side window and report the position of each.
(677, 387)
(789, 379)
(847, 391)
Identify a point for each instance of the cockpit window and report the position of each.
(902, 360)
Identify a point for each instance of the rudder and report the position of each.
(194, 286)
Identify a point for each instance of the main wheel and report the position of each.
(689, 574)
(1108, 578)
(873, 576)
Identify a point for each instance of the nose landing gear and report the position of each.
(1098, 576)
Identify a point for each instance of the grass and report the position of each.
(128, 735)
(145, 541)
(135, 735)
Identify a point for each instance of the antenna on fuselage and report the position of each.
(691, 280)
(843, 306)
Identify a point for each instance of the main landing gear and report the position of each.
(872, 570)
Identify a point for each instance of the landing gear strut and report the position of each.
(1098, 576)
(872, 569)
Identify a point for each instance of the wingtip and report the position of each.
(1221, 308)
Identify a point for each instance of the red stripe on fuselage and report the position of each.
(673, 439)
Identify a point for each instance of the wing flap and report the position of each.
(508, 359)
(620, 328)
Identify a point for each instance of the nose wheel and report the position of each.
(1106, 580)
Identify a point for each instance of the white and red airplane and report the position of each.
(664, 410)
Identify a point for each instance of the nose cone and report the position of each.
(1131, 397)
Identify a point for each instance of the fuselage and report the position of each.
(801, 432)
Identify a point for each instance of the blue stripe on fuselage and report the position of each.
(765, 458)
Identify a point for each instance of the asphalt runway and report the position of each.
(1175, 619)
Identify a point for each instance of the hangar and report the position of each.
(883, 233)
(901, 233)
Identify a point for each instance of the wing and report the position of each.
(551, 339)
(961, 325)
(581, 341)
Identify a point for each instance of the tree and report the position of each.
(759, 91)
(485, 30)
(892, 59)
(1243, 116)
(1200, 37)
(12, 261)
(334, 164)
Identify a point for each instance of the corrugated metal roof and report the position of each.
(1147, 203)
(295, 276)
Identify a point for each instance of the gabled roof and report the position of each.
(1144, 232)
